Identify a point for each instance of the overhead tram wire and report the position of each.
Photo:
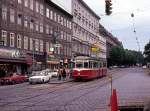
(134, 30)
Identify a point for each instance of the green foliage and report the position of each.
(117, 55)
(147, 52)
(121, 56)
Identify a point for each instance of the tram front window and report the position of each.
(86, 65)
(79, 65)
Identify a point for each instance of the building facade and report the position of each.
(34, 34)
(110, 41)
(86, 31)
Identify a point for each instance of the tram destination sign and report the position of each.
(1, 43)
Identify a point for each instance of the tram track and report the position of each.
(60, 88)
(72, 87)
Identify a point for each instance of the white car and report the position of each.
(144, 67)
(54, 73)
(40, 77)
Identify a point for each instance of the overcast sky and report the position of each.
(120, 22)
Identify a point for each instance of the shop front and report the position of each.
(52, 62)
(12, 61)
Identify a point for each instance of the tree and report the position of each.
(133, 57)
(147, 52)
(116, 55)
(121, 56)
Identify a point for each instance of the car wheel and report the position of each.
(43, 81)
(13, 82)
(48, 80)
(30, 83)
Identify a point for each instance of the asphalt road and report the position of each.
(132, 86)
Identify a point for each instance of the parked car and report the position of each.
(13, 79)
(54, 73)
(144, 67)
(40, 76)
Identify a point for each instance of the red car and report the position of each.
(13, 79)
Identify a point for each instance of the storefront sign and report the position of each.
(52, 59)
(11, 53)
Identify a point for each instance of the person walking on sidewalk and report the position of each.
(59, 73)
(64, 73)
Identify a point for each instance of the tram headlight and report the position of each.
(79, 73)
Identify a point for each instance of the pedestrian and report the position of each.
(64, 73)
(59, 73)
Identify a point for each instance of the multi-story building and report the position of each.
(86, 31)
(34, 34)
(85, 27)
(110, 40)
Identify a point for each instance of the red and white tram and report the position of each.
(88, 68)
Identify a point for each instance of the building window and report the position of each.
(12, 15)
(41, 45)
(18, 41)
(31, 44)
(25, 42)
(19, 1)
(55, 17)
(47, 29)
(25, 21)
(4, 12)
(37, 26)
(4, 37)
(51, 15)
(70, 25)
(37, 7)
(31, 4)
(47, 46)
(62, 34)
(47, 12)
(32, 24)
(58, 18)
(41, 27)
(51, 30)
(19, 19)
(36, 45)
(26, 3)
(62, 21)
(41, 9)
(12, 39)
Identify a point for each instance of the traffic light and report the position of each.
(108, 7)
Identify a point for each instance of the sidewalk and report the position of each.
(56, 81)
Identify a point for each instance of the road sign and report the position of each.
(57, 45)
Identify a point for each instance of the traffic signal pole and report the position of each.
(108, 8)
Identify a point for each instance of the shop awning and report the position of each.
(53, 62)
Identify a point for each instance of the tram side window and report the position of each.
(90, 64)
(86, 65)
(100, 64)
(95, 64)
(79, 65)
(104, 64)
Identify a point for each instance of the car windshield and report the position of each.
(36, 73)
(40, 73)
